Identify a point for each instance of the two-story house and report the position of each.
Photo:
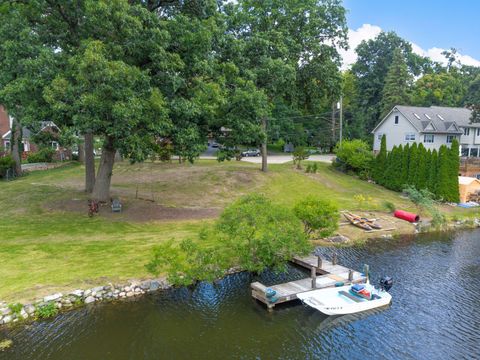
(432, 126)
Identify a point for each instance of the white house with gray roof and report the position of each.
(431, 126)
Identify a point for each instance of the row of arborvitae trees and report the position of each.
(436, 171)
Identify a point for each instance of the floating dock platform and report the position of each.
(323, 274)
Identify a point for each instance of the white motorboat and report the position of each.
(348, 299)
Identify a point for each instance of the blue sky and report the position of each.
(429, 24)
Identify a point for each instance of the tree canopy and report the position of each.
(134, 73)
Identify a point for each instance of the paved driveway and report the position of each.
(282, 159)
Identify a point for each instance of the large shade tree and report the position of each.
(288, 49)
(375, 57)
(26, 66)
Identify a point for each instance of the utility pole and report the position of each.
(341, 119)
(264, 145)
(333, 123)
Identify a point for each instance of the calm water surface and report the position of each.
(434, 315)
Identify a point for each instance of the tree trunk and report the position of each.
(101, 190)
(15, 137)
(89, 163)
(264, 146)
(81, 153)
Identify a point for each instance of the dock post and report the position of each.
(350, 275)
(366, 269)
(334, 259)
(319, 262)
(313, 275)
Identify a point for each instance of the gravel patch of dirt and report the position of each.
(137, 211)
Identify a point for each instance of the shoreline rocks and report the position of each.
(14, 312)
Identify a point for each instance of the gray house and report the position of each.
(432, 126)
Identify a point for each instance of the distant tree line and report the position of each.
(418, 167)
(387, 73)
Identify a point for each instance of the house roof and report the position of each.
(465, 180)
(26, 134)
(435, 119)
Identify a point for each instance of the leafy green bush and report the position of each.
(299, 154)
(312, 168)
(6, 163)
(46, 311)
(354, 155)
(42, 155)
(252, 234)
(389, 206)
(16, 308)
(319, 217)
(261, 234)
(424, 200)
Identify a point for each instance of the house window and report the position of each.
(474, 152)
(54, 145)
(26, 145)
(396, 119)
(466, 131)
(379, 136)
(428, 138)
(409, 136)
(450, 138)
(7, 145)
(465, 151)
(478, 132)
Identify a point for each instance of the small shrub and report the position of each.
(354, 155)
(46, 311)
(16, 308)
(424, 200)
(319, 217)
(314, 168)
(6, 163)
(309, 168)
(438, 219)
(43, 155)
(389, 206)
(299, 154)
(421, 198)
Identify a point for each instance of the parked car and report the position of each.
(75, 152)
(251, 152)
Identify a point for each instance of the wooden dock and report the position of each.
(330, 274)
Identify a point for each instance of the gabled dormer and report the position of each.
(453, 127)
(430, 127)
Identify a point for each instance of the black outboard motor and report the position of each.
(386, 283)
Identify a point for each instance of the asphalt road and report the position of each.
(281, 159)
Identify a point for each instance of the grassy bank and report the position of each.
(48, 242)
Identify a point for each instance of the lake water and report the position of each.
(434, 315)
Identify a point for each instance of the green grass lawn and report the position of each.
(48, 245)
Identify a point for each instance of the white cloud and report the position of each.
(436, 55)
(355, 37)
(367, 32)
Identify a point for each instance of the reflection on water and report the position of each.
(434, 315)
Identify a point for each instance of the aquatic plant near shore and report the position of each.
(46, 311)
